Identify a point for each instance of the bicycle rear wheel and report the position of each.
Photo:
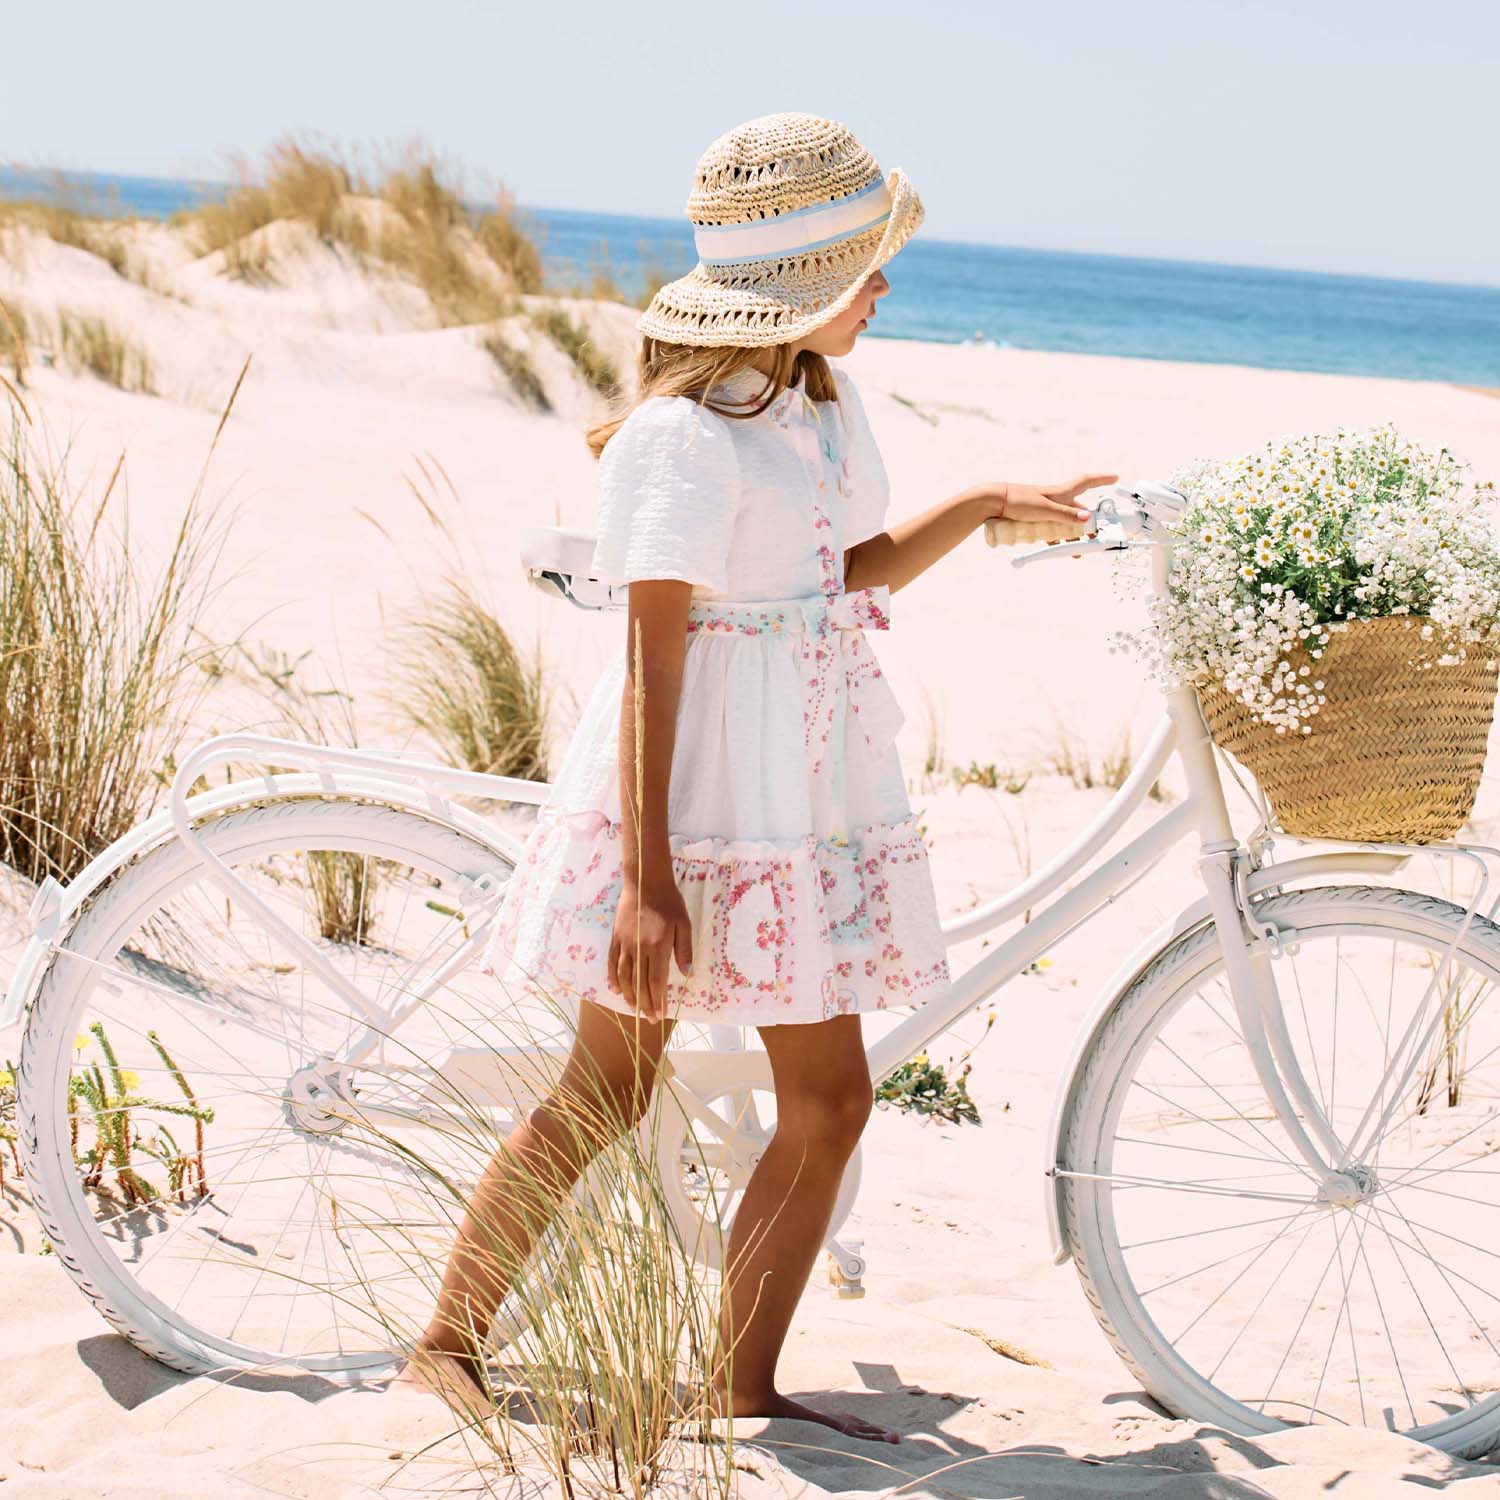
(227, 1197)
(1237, 1291)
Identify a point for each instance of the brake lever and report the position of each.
(1065, 549)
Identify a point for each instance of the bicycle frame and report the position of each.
(1230, 874)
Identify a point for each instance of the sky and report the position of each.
(1339, 135)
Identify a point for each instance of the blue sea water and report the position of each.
(1029, 299)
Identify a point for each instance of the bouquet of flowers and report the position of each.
(1286, 557)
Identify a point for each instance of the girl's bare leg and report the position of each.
(604, 1089)
(823, 1099)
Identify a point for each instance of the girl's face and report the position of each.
(837, 337)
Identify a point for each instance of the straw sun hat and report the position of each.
(790, 214)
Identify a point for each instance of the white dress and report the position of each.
(793, 842)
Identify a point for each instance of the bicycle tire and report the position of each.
(1104, 1082)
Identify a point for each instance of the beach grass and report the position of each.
(100, 667)
(596, 368)
(515, 365)
(81, 341)
(89, 342)
(459, 678)
(597, 1373)
(14, 342)
(345, 887)
(59, 217)
(409, 213)
(1070, 755)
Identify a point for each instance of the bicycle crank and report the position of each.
(318, 1097)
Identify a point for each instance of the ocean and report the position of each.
(1032, 299)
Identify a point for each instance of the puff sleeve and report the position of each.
(669, 491)
(869, 487)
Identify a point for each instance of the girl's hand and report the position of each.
(1056, 504)
(651, 926)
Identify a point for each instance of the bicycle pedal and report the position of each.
(846, 1269)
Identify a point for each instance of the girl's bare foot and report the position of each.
(457, 1378)
(776, 1405)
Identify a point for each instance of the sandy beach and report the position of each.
(353, 398)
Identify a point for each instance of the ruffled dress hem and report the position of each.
(774, 921)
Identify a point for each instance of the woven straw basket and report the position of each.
(1396, 752)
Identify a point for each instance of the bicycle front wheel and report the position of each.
(1238, 1289)
(227, 1194)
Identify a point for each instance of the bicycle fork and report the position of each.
(1248, 948)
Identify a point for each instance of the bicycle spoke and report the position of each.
(1376, 1325)
(1216, 1125)
(1191, 1234)
(318, 1224)
(1223, 1260)
(1311, 1298)
(1341, 1316)
(1240, 1274)
(1385, 1322)
(1132, 1140)
(1447, 1276)
(1200, 1189)
(1270, 1287)
(1227, 1105)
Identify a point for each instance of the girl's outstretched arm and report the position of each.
(898, 555)
(651, 922)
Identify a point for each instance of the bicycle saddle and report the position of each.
(557, 560)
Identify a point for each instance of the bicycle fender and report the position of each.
(1317, 866)
(55, 906)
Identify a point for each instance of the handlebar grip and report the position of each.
(1003, 533)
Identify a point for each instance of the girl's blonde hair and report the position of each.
(665, 369)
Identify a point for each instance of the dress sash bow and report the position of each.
(841, 674)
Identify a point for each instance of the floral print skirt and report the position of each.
(804, 874)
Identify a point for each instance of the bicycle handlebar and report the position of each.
(1148, 508)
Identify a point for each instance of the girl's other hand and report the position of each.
(651, 928)
(1052, 503)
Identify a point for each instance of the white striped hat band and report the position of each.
(792, 233)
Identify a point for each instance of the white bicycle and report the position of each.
(258, 1032)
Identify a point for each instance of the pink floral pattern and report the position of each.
(795, 929)
(773, 921)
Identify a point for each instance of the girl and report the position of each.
(768, 849)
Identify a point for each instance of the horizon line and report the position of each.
(8, 168)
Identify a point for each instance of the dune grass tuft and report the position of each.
(345, 886)
(457, 678)
(473, 263)
(298, 181)
(14, 341)
(596, 368)
(99, 672)
(1071, 757)
(460, 680)
(87, 342)
(516, 366)
(60, 213)
(598, 1372)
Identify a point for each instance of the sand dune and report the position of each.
(351, 384)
